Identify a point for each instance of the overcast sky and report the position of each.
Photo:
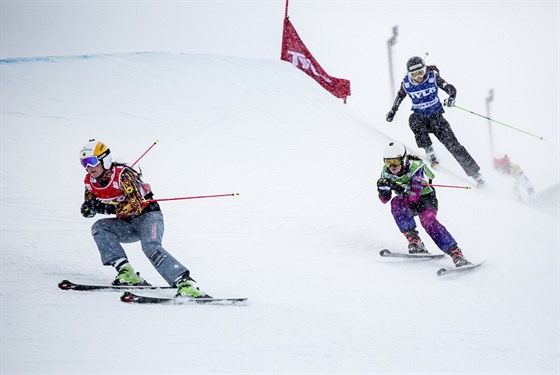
(248, 28)
(41, 28)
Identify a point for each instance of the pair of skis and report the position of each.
(442, 271)
(130, 297)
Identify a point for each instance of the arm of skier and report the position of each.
(133, 204)
(87, 207)
(401, 94)
(384, 190)
(416, 186)
(449, 89)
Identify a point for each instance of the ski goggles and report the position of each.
(417, 73)
(393, 162)
(92, 161)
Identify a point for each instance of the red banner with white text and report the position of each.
(295, 52)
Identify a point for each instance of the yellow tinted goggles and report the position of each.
(393, 162)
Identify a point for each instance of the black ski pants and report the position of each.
(422, 126)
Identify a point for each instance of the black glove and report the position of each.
(384, 189)
(397, 188)
(383, 185)
(103, 208)
(87, 210)
(390, 115)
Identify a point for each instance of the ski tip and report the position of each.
(384, 253)
(65, 285)
(129, 297)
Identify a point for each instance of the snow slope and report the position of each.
(301, 241)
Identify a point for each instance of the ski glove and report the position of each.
(87, 210)
(399, 189)
(384, 190)
(449, 102)
(383, 185)
(390, 115)
(103, 208)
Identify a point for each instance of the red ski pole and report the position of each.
(448, 186)
(195, 197)
(145, 152)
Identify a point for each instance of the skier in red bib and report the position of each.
(115, 189)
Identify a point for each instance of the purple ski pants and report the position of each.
(404, 214)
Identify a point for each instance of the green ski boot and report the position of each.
(187, 288)
(127, 277)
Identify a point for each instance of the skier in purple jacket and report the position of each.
(410, 178)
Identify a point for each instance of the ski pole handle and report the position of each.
(194, 197)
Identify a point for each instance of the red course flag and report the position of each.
(295, 52)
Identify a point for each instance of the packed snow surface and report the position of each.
(301, 240)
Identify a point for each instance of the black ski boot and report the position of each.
(415, 245)
(457, 256)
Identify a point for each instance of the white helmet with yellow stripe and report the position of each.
(95, 152)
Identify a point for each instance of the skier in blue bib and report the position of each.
(421, 84)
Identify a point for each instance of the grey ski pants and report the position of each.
(147, 228)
